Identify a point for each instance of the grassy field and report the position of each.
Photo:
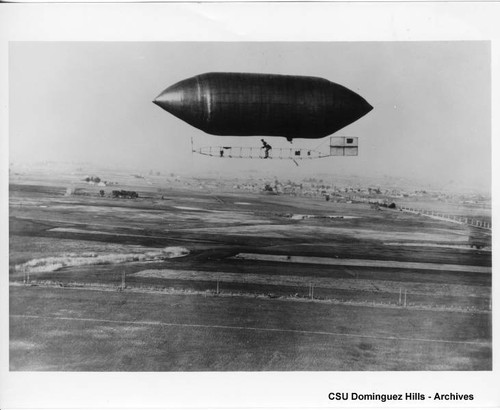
(91, 330)
(170, 317)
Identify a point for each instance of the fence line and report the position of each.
(433, 214)
(451, 218)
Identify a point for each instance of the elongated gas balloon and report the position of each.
(243, 104)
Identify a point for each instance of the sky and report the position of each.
(92, 102)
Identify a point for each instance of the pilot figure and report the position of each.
(267, 147)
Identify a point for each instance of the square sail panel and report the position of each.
(344, 146)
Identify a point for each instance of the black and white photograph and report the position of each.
(207, 207)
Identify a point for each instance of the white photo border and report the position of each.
(372, 21)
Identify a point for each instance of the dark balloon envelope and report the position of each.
(244, 104)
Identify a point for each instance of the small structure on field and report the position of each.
(125, 194)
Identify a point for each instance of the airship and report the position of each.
(250, 104)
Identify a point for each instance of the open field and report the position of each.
(69, 329)
(205, 279)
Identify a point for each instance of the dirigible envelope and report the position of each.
(243, 104)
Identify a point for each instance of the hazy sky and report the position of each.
(92, 102)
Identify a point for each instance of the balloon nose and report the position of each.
(360, 108)
(367, 107)
(172, 99)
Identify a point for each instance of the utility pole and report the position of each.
(399, 297)
(405, 297)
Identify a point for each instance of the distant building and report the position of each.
(125, 194)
